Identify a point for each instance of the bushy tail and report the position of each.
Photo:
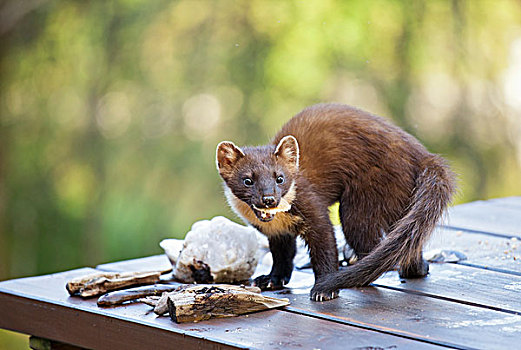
(434, 188)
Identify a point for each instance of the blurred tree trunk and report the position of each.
(4, 253)
(95, 154)
(247, 70)
(4, 136)
(396, 93)
(462, 138)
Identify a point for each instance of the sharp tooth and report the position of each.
(270, 212)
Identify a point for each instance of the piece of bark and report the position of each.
(99, 283)
(217, 301)
(150, 300)
(161, 305)
(120, 296)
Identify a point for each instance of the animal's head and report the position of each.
(262, 177)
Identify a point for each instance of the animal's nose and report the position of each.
(269, 201)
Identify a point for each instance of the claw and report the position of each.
(323, 296)
(267, 282)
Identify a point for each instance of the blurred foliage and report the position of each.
(11, 340)
(111, 110)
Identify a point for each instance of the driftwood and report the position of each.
(99, 283)
(161, 304)
(120, 296)
(202, 302)
(151, 300)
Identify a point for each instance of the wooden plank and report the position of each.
(41, 306)
(444, 322)
(482, 251)
(486, 217)
(462, 284)
(448, 309)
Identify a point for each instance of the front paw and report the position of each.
(322, 295)
(270, 282)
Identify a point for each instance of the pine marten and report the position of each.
(391, 191)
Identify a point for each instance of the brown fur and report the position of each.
(391, 191)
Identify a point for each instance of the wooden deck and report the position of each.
(474, 303)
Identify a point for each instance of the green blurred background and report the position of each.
(111, 110)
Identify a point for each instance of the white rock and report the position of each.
(172, 248)
(229, 250)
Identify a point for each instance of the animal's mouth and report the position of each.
(264, 215)
(268, 214)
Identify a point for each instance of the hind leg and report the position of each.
(361, 228)
(416, 267)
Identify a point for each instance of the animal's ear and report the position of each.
(227, 155)
(288, 151)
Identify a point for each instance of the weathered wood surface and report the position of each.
(496, 217)
(430, 319)
(482, 250)
(463, 284)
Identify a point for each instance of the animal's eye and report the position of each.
(248, 182)
(279, 180)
